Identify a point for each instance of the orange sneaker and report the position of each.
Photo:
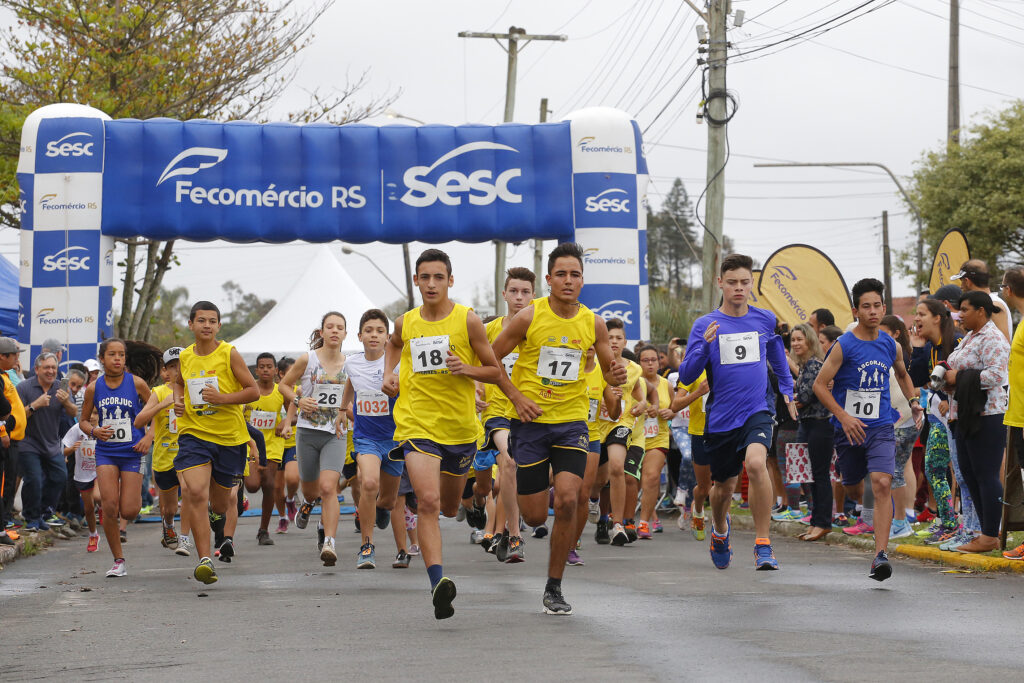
(643, 530)
(1015, 554)
(94, 544)
(13, 534)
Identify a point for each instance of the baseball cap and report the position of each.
(9, 345)
(92, 365)
(973, 274)
(172, 354)
(950, 293)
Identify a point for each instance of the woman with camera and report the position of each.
(975, 379)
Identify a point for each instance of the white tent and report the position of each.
(323, 285)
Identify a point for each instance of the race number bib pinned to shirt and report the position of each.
(122, 428)
(372, 404)
(195, 386)
(88, 452)
(604, 411)
(739, 347)
(651, 428)
(328, 395)
(172, 421)
(509, 362)
(429, 353)
(262, 419)
(863, 405)
(559, 364)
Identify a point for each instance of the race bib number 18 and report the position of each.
(739, 347)
(429, 353)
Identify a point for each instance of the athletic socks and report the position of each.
(436, 573)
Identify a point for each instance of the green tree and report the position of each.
(671, 241)
(184, 59)
(169, 326)
(247, 309)
(976, 186)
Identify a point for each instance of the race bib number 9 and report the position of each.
(328, 395)
(372, 404)
(122, 430)
(559, 364)
(262, 419)
(195, 386)
(863, 405)
(739, 347)
(429, 353)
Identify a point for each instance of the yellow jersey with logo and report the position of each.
(550, 369)
(165, 432)
(698, 418)
(498, 404)
(264, 414)
(223, 424)
(432, 403)
(656, 429)
(595, 396)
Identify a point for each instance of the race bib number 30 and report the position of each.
(863, 405)
(195, 386)
(122, 430)
(559, 364)
(372, 404)
(429, 353)
(328, 395)
(739, 347)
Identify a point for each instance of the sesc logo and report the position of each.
(480, 186)
(615, 309)
(173, 169)
(603, 204)
(64, 260)
(65, 147)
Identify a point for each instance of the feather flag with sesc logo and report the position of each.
(798, 279)
(952, 252)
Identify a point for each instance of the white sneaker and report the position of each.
(119, 569)
(414, 550)
(460, 516)
(184, 546)
(593, 511)
(328, 555)
(680, 498)
(475, 536)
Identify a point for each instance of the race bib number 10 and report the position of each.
(863, 405)
(739, 347)
(429, 353)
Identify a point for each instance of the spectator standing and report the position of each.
(40, 456)
(820, 319)
(815, 429)
(53, 346)
(1012, 289)
(904, 480)
(12, 431)
(974, 277)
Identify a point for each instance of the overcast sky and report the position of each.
(873, 89)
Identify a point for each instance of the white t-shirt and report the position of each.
(85, 455)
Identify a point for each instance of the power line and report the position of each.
(598, 63)
(967, 26)
(598, 86)
(668, 28)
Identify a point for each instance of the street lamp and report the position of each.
(408, 292)
(910, 203)
(392, 114)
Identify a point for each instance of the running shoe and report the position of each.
(516, 550)
(656, 527)
(788, 515)
(55, 521)
(630, 529)
(184, 546)
(460, 516)
(147, 510)
(263, 537)
(124, 535)
(5, 539)
(32, 527)
(805, 520)
(366, 559)
(925, 515)
(1015, 554)
(290, 509)
(683, 521)
(227, 550)
(593, 511)
(643, 530)
(499, 546)
(574, 559)
(619, 535)
(555, 604)
(721, 549)
(840, 520)
(880, 567)
(540, 531)
(601, 535)
(941, 536)
(490, 543)
(383, 518)
(442, 595)
(414, 550)
(476, 537)
(94, 543)
(697, 527)
(319, 536)
(859, 529)
(205, 572)
(328, 555)
(764, 557)
(680, 497)
(900, 529)
(282, 526)
(119, 569)
(358, 524)
(170, 538)
(962, 537)
(302, 518)
(245, 503)
(401, 560)
(936, 526)
(13, 534)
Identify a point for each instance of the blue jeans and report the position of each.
(43, 477)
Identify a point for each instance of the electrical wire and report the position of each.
(967, 26)
(643, 67)
(585, 82)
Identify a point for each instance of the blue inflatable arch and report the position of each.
(86, 179)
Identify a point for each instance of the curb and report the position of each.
(947, 557)
(40, 539)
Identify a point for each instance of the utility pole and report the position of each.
(953, 98)
(886, 266)
(514, 37)
(538, 244)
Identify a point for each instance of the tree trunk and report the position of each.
(145, 292)
(127, 292)
(163, 264)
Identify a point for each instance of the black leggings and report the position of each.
(981, 455)
(817, 434)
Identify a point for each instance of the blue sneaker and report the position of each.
(32, 526)
(900, 529)
(367, 558)
(721, 549)
(764, 558)
(790, 515)
(42, 525)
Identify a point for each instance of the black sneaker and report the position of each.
(442, 597)
(601, 536)
(501, 550)
(516, 551)
(476, 516)
(383, 518)
(880, 567)
(554, 603)
(5, 539)
(302, 517)
(359, 527)
(540, 531)
(319, 538)
(227, 550)
(263, 537)
(401, 560)
(217, 525)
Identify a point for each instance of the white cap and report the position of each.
(92, 365)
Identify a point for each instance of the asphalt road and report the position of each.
(656, 610)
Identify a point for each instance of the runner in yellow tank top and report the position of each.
(443, 348)
(656, 434)
(209, 391)
(692, 397)
(264, 414)
(548, 390)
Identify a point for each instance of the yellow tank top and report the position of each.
(432, 403)
(634, 374)
(290, 441)
(265, 415)
(595, 395)
(551, 360)
(697, 417)
(498, 403)
(661, 439)
(165, 432)
(222, 425)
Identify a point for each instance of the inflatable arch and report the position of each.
(86, 179)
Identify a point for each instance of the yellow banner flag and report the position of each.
(952, 252)
(797, 280)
